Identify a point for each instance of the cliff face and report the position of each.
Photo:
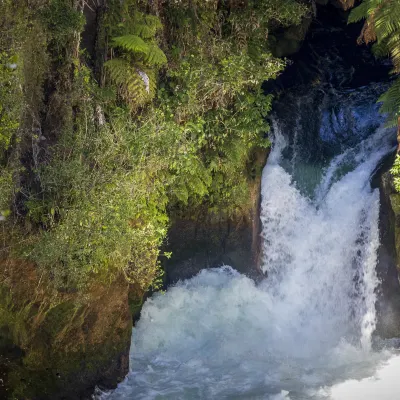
(203, 240)
(388, 305)
(60, 345)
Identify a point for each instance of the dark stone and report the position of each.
(56, 345)
(205, 241)
(330, 55)
(290, 40)
(88, 38)
(388, 303)
(205, 244)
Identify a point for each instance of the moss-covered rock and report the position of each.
(388, 304)
(289, 41)
(204, 240)
(65, 343)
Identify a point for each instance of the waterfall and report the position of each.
(308, 325)
(320, 252)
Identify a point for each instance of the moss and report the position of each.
(136, 298)
(69, 341)
(60, 373)
(57, 317)
(395, 203)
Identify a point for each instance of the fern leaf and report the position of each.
(131, 43)
(130, 83)
(143, 30)
(359, 13)
(118, 70)
(155, 56)
(380, 50)
(391, 103)
(145, 26)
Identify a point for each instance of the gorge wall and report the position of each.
(60, 342)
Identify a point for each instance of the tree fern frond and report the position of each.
(391, 102)
(131, 43)
(380, 50)
(143, 30)
(359, 13)
(118, 70)
(383, 26)
(145, 26)
(134, 71)
(154, 22)
(155, 56)
(130, 83)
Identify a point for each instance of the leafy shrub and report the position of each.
(96, 194)
(382, 26)
(134, 70)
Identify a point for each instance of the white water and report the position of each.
(302, 333)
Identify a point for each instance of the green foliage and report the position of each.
(130, 82)
(7, 191)
(395, 171)
(391, 102)
(63, 22)
(219, 58)
(383, 26)
(103, 209)
(97, 192)
(10, 99)
(134, 69)
(131, 43)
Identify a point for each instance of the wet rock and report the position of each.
(343, 4)
(289, 41)
(58, 345)
(388, 304)
(205, 241)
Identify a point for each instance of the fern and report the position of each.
(155, 56)
(119, 70)
(128, 80)
(391, 103)
(359, 13)
(131, 43)
(381, 50)
(145, 26)
(382, 25)
(135, 68)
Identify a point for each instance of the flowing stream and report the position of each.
(306, 331)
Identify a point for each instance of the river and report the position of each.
(307, 330)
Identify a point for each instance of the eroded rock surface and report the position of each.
(60, 345)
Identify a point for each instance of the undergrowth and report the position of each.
(94, 164)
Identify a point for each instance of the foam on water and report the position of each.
(298, 333)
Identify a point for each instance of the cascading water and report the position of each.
(308, 326)
(306, 331)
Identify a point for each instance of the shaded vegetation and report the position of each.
(94, 164)
(98, 152)
(382, 27)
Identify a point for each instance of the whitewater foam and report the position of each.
(298, 333)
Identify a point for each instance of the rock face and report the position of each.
(203, 241)
(59, 345)
(291, 39)
(388, 305)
